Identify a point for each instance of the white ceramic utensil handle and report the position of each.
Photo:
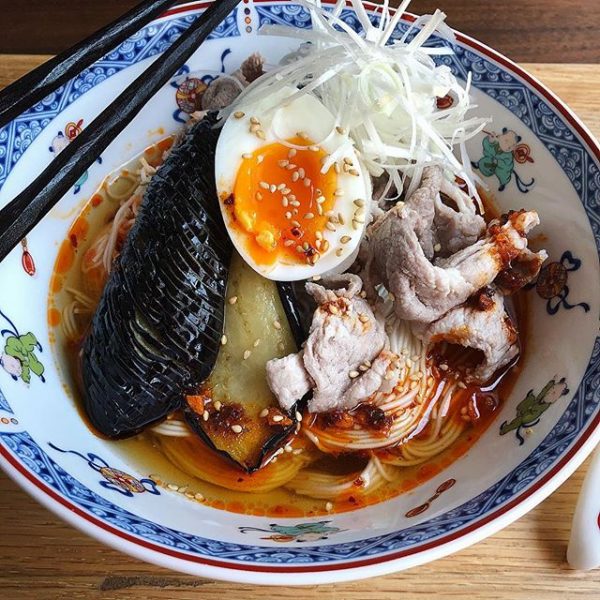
(584, 546)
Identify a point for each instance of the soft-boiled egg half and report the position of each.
(291, 188)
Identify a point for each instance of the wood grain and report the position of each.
(526, 30)
(42, 558)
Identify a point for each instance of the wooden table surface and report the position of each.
(42, 558)
(561, 31)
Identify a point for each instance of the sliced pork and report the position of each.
(343, 360)
(483, 324)
(405, 252)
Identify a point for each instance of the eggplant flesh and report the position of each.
(156, 333)
(228, 411)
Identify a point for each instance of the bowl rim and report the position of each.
(271, 574)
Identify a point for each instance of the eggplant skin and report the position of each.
(156, 333)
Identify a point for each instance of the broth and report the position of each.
(72, 299)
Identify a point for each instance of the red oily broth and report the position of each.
(145, 452)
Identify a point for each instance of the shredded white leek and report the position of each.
(383, 91)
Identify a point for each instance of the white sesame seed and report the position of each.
(295, 203)
(254, 127)
(283, 163)
(173, 487)
(223, 339)
(198, 496)
(298, 416)
(256, 342)
(233, 299)
(437, 247)
(217, 404)
(292, 152)
(345, 239)
(246, 155)
(329, 507)
(339, 252)
(353, 374)
(205, 415)
(291, 167)
(254, 121)
(239, 114)
(321, 199)
(295, 223)
(297, 451)
(247, 354)
(264, 185)
(340, 130)
(309, 215)
(236, 428)
(363, 319)
(285, 190)
(299, 249)
(281, 187)
(288, 243)
(295, 176)
(292, 197)
(314, 148)
(264, 412)
(277, 418)
(258, 196)
(462, 385)
(340, 219)
(359, 220)
(307, 182)
(305, 246)
(261, 134)
(288, 215)
(277, 324)
(354, 172)
(318, 244)
(288, 448)
(330, 226)
(285, 201)
(302, 173)
(260, 158)
(320, 209)
(339, 192)
(272, 188)
(319, 236)
(360, 203)
(359, 212)
(337, 168)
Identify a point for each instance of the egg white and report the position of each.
(305, 113)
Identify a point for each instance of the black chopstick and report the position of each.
(23, 213)
(36, 85)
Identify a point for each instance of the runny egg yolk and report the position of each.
(281, 200)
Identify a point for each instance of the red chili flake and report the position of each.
(229, 200)
(96, 200)
(73, 239)
(444, 102)
(372, 417)
(28, 263)
(296, 232)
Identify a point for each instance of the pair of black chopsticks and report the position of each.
(25, 211)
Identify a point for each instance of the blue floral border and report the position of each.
(580, 167)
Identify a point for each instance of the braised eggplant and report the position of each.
(156, 333)
(235, 411)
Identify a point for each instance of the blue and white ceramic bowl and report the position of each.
(547, 161)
